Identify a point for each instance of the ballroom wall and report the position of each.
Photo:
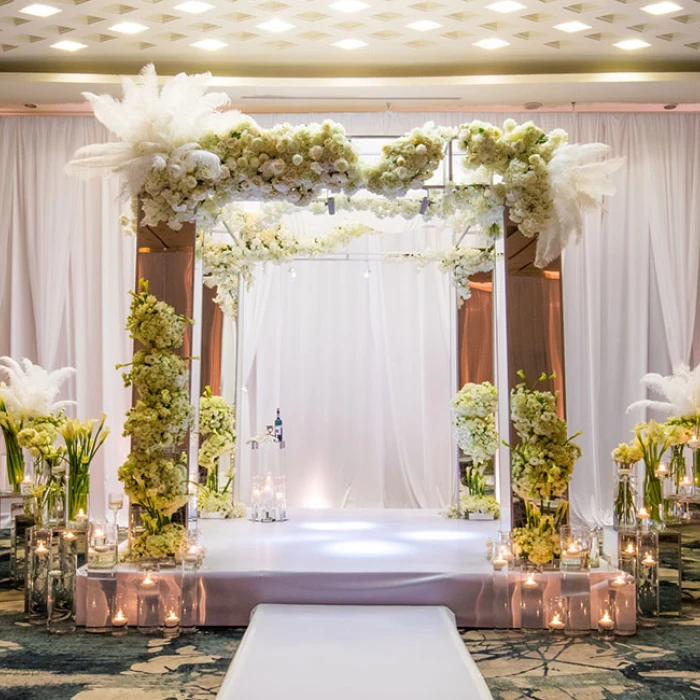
(630, 288)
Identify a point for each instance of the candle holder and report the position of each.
(171, 614)
(61, 598)
(647, 578)
(503, 546)
(21, 522)
(557, 615)
(280, 498)
(102, 546)
(120, 619)
(624, 513)
(575, 588)
(531, 603)
(39, 564)
(575, 548)
(148, 599)
(269, 493)
(595, 536)
(623, 600)
(606, 621)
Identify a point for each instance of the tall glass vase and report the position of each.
(77, 495)
(653, 493)
(625, 512)
(15, 460)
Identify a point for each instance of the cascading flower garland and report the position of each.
(155, 473)
(185, 155)
(541, 467)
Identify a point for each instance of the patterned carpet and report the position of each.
(660, 664)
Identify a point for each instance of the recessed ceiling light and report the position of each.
(209, 44)
(128, 28)
(275, 25)
(349, 5)
(194, 7)
(350, 44)
(68, 46)
(669, 107)
(532, 105)
(661, 8)
(424, 25)
(491, 43)
(632, 44)
(506, 6)
(572, 27)
(40, 10)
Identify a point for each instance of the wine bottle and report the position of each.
(279, 429)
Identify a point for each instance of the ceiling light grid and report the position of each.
(415, 32)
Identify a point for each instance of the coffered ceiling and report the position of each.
(387, 39)
(393, 37)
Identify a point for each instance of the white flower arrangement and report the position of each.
(408, 161)
(186, 154)
(474, 420)
(472, 503)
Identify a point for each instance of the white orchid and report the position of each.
(681, 390)
(32, 390)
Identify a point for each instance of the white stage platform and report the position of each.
(315, 652)
(357, 557)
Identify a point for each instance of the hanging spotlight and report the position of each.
(292, 272)
(424, 205)
(331, 205)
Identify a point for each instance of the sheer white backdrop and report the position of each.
(631, 287)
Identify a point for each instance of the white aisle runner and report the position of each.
(318, 652)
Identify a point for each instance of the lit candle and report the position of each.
(686, 482)
(193, 553)
(619, 581)
(68, 535)
(41, 549)
(530, 582)
(694, 442)
(279, 496)
(629, 550)
(148, 582)
(26, 486)
(172, 620)
(98, 537)
(506, 553)
(648, 560)
(643, 514)
(556, 623)
(120, 619)
(662, 469)
(500, 563)
(606, 622)
(80, 516)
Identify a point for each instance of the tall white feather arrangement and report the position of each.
(681, 391)
(579, 179)
(156, 128)
(32, 390)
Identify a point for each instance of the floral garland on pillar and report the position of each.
(155, 473)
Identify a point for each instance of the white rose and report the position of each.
(297, 159)
(341, 164)
(316, 152)
(421, 150)
(278, 166)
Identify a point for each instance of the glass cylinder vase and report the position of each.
(647, 578)
(61, 600)
(39, 564)
(575, 545)
(14, 460)
(624, 510)
(77, 496)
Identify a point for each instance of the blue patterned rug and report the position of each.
(659, 664)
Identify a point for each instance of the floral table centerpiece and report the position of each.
(155, 473)
(216, 421)
(30, 395)
(542, 465)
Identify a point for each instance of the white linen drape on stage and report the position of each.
(630, 288)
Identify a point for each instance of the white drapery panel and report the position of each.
(357, 354)
(66, 270)
(631, 288)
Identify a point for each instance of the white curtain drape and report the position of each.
(357, 355)
(631, 287)
(66, 269)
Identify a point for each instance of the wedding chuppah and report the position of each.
(348, 401)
